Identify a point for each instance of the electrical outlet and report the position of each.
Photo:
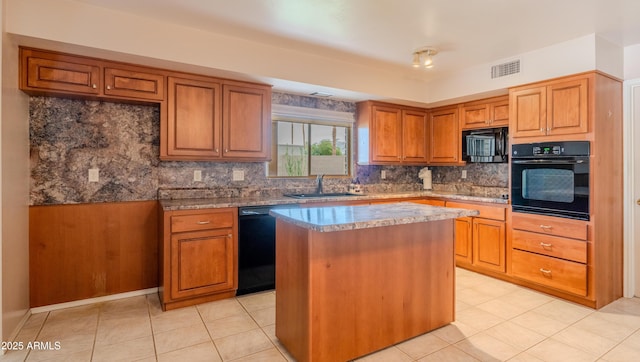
(464, 174)
(94, 174)
(383, 174)
(238, 175)
(197, 176)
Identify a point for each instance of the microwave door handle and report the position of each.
(500, 146)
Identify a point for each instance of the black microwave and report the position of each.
(485, 145)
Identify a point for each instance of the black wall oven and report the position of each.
(551, 179)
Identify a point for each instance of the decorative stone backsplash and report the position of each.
(68, 137)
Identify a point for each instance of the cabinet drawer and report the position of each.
(548, 225)
(570, 249)
(556, 273)
(205, 221)
(486, 211)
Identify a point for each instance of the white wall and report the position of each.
(14, 191)
(68, 24)
(632, 62)
(632, 163)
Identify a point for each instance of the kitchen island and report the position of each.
(351, 280)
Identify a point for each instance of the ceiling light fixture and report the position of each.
(424, 57)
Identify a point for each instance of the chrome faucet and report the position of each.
(319, 183)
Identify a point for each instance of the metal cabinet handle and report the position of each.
(108, 87)
(546, 227)
(94, 86)
(545, 271)
(204, 222)
(544, 245)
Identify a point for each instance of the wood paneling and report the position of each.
(91, 250)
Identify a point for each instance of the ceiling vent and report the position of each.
(505, 69)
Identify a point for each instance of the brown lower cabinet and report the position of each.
(481, 240)
(198, 256)
(550, 251)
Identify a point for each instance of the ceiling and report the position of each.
(385, 33)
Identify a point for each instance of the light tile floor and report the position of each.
(495, 321)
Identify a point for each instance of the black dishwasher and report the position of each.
(257, 248)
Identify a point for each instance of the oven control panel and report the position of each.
(547, 150)
(550, 150)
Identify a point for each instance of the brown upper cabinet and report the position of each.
(486, 113)
(444, 145)
(210, 120)
(193, 119)
(558, 107)
(201, 118)
(58, 73)
(129, 83)
(44, 72)
(246, 121)
(391, 134)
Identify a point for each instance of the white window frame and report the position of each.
(286, 113)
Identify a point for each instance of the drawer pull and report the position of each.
(545, 245)
(204, 222)
(546, 227)
(546, 272)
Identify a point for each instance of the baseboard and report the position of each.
(17, 329)
(106, 298)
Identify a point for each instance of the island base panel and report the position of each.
(345, 294)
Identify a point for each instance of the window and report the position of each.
(310, 142)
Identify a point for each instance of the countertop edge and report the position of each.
(212, 203)
(391, 219)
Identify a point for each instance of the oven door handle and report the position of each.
(548, 162)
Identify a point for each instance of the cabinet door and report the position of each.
(386, 134)
(202, 262)
(133, 84)
(528, 112)
(464, 240)
(193, 118)
(475, 116)
(567, 107)
(414, 136)
(444, 136)
(499, 113)
(489, 244)
(56, 72)
(246, 123)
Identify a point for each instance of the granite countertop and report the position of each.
(210, 203)
(337, 218)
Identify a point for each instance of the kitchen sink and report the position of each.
(315, 195)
